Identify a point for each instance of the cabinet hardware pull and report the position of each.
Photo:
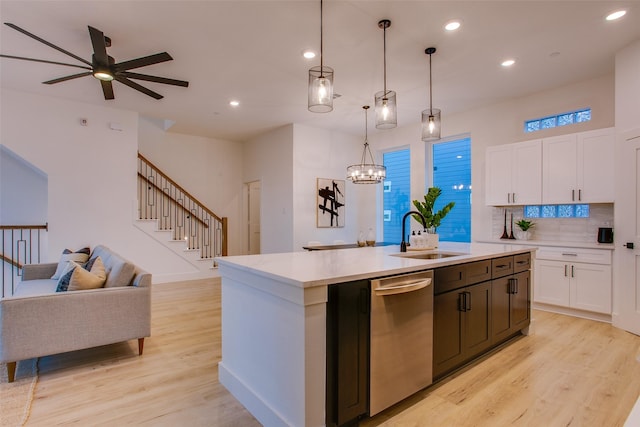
(502, 266)
(573, 195)
(565, 270)
(467, 301)
(522, 262)
(513, 197)
(572, 274)
(508, 197)
(569, 254)
(516, 286)
(462, 305)
(579, 195)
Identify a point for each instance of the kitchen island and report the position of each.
(274, 320)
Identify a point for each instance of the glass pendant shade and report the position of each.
(430, 124)
(321, 89)
(386, 109)
(367, 171)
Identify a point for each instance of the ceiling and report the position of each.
(251, 51)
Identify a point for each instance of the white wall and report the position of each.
(628, 88)
(23, 191)
(320, 153)
(209, 169)
(503, 123)
(269, 159)
(92, 175)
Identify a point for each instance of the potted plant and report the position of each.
(525, 225)
(431, 217)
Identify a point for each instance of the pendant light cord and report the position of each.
(430, 88)
(321, 62)
(385, 59)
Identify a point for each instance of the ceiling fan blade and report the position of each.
(45, 61)
(64, 79)
(33, 36)
(138, 87)
(154, 79)
(107, 89)
(99, 46)
(143, 62)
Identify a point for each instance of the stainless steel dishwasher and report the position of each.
(401, 338)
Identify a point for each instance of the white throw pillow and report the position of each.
(81, 256)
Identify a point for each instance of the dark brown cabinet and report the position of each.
(462, 314)
(348, 315)
(510, 296)
(476, 306)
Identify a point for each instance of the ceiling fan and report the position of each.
(103, 67)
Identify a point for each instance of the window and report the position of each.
(452, 174)
(556, 211)
(558, 120)
(396, 193)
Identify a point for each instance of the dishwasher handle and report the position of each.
(402, 288)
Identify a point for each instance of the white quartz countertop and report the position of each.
(539, 243)
(321, 268)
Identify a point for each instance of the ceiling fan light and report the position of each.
(103, 74)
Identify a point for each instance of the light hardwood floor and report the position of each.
(570, 372)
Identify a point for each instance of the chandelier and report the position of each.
(367, 172)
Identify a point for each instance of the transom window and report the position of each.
(556, 211)
(563, 119)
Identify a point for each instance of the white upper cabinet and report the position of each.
(578, 168)
(514, 174)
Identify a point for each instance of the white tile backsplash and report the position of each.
(558, 229)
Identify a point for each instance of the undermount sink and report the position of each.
(428, 255)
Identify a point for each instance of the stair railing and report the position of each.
(20, 245)
(162, 199)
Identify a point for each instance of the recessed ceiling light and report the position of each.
(309, 54)
(234, 103)
(508, 62)
(616, 15)
(452, 26)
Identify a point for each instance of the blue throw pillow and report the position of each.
(63, 283)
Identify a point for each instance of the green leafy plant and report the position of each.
(433, 219)
(525, 224)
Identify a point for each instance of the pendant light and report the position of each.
(431, 116)
(367, 172)
(320, 83)
(385, 101)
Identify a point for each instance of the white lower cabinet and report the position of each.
(560, 281)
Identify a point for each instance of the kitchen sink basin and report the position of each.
(428, 255)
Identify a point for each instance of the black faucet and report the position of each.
(403, 245)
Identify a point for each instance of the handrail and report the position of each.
(204, 208)
(172, 199)
(162, 199)
(25, 227)
(10, 261)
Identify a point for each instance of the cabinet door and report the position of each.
(526, 175)
(347, 351)
(591, 287)
(595, 166)
(521, 301)
(552, 282)
(447, 333)
(477, 319)
(500, 308)
(498, 166)
(559, 169)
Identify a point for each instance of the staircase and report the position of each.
(19, 245)
(173, 217)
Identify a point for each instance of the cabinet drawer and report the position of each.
(521, 262)
(479, 271)
(567, 254)
(501, 266)
(448, 278)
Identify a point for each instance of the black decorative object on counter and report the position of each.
(511, 236)
(505, 235)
